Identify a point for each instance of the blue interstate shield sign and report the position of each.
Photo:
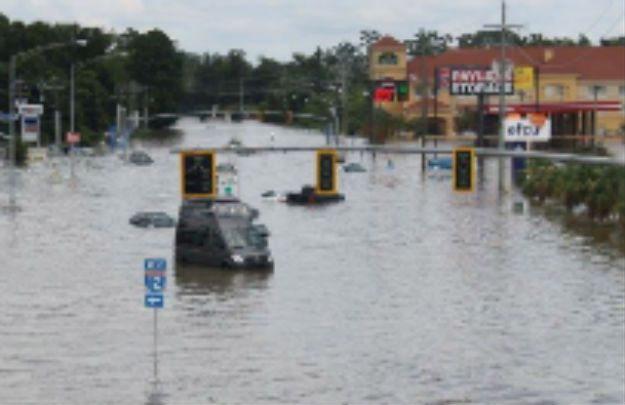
(155, 282)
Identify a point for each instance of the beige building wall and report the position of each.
(386, 70)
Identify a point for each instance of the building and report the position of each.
(582, 89)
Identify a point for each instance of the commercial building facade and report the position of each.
(582, 89)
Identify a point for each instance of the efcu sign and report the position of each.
(527, 127)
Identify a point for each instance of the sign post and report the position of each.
(155, 280)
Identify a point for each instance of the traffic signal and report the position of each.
(463, 169)
(198, 176)
(326, 171)
(403, 91)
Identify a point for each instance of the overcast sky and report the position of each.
(279, 28)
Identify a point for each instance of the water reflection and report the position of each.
(193, 279)
(155, 395)
(605, 237)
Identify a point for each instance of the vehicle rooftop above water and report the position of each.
(221, 206)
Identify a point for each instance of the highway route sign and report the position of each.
(154, 300)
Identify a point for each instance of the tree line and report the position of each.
(147, 69)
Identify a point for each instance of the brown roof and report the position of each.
(590, 63)
(387, 40)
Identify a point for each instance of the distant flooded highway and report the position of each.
(406, 293)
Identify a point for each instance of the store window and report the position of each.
(600, 91)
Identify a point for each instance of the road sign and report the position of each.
(155, 282)
(155, 264)
(154, 300)
(6, 117)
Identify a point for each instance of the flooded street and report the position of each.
(404, 293)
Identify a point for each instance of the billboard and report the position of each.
(30, 128)
(30, 121)
(475, 80)
(524, 77)
(535, 127)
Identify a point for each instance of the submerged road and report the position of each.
(404, 293)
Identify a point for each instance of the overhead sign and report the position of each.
(467, 81)
(523, 78)
(535, 127)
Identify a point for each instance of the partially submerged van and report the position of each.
(221, 233)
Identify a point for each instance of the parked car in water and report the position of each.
(140, 158)
(354, 167)
(152, 219)
(272, 195)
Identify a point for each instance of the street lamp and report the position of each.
(12, 115)
(79, 42)
(72, 86)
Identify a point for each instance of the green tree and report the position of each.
(154, 62)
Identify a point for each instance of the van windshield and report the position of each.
(242, 237)
(235, 238)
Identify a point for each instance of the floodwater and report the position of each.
(406, 293)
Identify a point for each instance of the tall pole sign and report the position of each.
(155, 280)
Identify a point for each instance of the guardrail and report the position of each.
(384, 149)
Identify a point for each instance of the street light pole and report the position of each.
(72, 69)
(12, 114)
(502, 80)
(12, 145)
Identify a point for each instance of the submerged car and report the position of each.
(354, 167)
(140, 158)
(309, 196)
(221, 233)
(152, 219)
(272, 195)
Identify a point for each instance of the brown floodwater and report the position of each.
(404, 293)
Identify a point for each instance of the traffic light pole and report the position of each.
(502, 81)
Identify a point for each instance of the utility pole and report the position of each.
(241, 95)
(502, 81)
(12, 145)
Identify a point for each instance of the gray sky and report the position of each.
(279, 28)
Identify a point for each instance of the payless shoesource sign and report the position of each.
(534, 127)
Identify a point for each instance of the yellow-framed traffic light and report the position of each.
(198, 174)
(326, 172)
(463, 169)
